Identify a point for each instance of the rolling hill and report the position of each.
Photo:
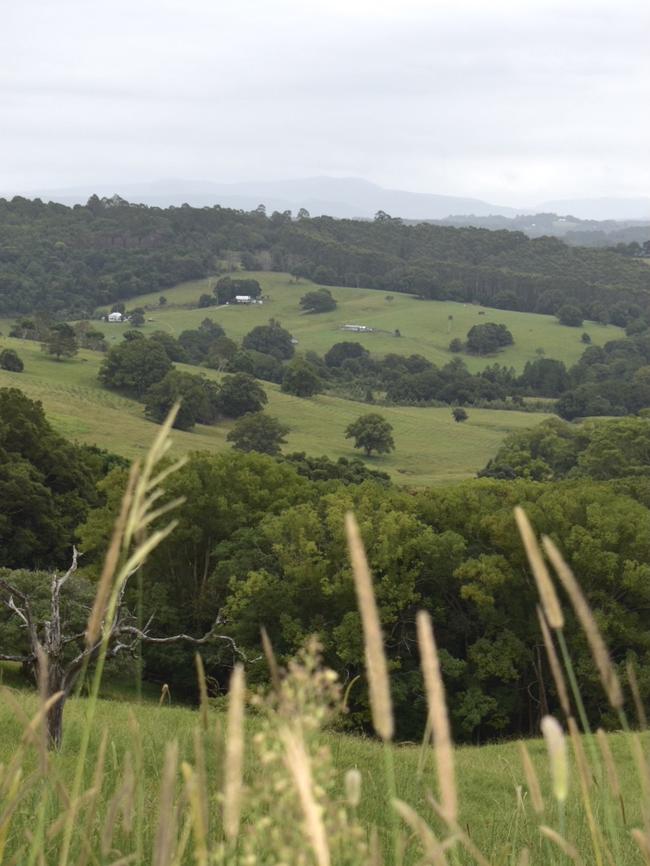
(426, 327)
(430, 447)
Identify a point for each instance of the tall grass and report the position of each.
(261, 786)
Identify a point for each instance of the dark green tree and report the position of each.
(371, 432)
(570, 315)
(197, 343)
(301, 379)
(344, 351)
(241, 394)
(258, 432)
(134, 366)
(170, 344)
(199, 400)
(61, 342)
(488, 338)
(318, 301)
(11, 361)
(545, 377)
(46, 486)
(221, 352)
(136, 317)
(271, 339)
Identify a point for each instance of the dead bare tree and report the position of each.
(50, 656)
(57, 658)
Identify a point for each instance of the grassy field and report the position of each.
(488, 777)
(425, 326)
(430, 447)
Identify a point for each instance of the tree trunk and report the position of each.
(55, 724)
(54, 683)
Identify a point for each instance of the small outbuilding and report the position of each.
(363, 329)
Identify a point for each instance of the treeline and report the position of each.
(144, 368)
(554, 450)
(610, 380)
(71, 260)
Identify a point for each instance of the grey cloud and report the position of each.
(508, 101)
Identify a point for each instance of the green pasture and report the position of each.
(431, 448)
(425, 326)
(488, 777)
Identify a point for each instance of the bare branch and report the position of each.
(21, 659)
(73, 637)
(11, 604)
(73, 567)
(145, 637)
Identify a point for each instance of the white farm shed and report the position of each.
(115, 317)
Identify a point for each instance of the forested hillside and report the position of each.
(260, 540)
(70, 260)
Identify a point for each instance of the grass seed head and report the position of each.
(234, 757)
(547, 594)
(557, 753)
(438, 716)
(378, 683)
(582, 610)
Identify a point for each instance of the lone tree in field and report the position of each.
(371, 432)
(318, 301)
(46, 644)
(259, 432)
(570, 315)
(11, 361)
(61, 342)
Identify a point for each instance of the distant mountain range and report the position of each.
(340, 197)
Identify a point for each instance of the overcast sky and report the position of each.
(514, 102)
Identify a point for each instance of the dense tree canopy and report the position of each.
(601, 450)
(72, 260)
(264, 545)
(46, 486)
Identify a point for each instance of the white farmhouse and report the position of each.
(115, 317)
